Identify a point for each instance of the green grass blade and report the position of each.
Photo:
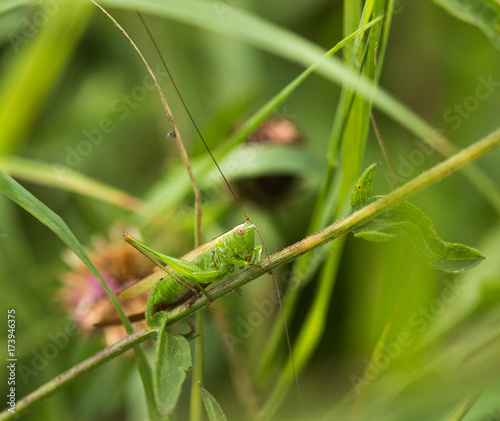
(157, 197)
(22, 90)
(464, 407)
(46, 216)
(197, 397)
(351, 125)
(70, 180)
(13, 4)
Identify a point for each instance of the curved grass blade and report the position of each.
(46, 216)
(242, 25)
(464, 407)
(70, 180)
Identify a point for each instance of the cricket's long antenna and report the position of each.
(283, 318)
(190, 116)
(271, 270)
(175, 132)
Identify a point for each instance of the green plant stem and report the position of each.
(323, 236)
(464, 407)
(196, 404)
(73, 373)
(345, 225)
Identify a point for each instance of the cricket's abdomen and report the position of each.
(170, 290)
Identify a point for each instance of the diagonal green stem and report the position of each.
(345, 225)
(76, 371)
(333, 231)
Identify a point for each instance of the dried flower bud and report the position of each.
(272, 189)
(120, 265)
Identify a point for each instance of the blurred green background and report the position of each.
(72, 74)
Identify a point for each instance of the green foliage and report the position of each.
(214, 411)
(31, 204)
(408, 219)
(172, 360)
(485, 14)
(376, 335)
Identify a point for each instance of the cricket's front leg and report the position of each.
(254, 262)
(150, 305)
(257, 254)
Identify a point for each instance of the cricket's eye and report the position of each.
(240, 232)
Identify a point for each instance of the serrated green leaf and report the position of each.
(406, 218)
(361, 193)
(444, 256)
(212, 407)
(484, 14)
(173, 359)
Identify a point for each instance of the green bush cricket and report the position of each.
(210, 262)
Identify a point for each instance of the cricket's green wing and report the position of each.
(147, 283)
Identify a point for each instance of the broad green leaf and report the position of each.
(485, 14)
(406, 218)
(361, 193)
(173, 359)
(212, 407)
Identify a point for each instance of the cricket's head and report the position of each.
(243, 237)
